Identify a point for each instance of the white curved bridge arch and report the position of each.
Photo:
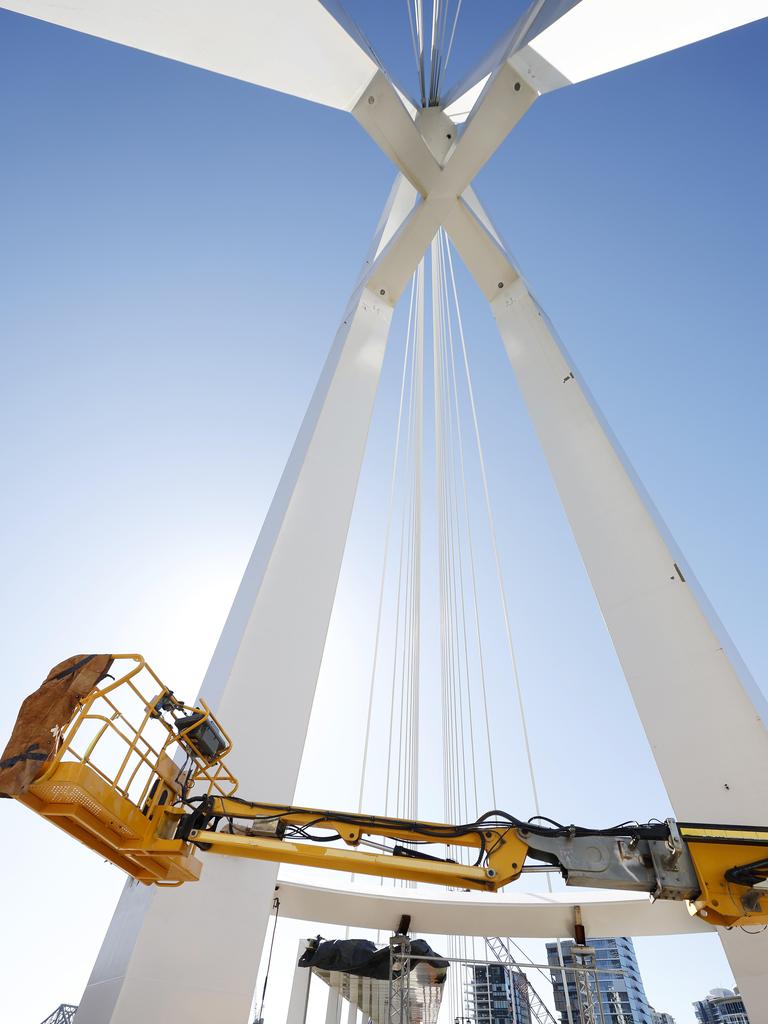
(516, 915)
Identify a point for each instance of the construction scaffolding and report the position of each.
(398, 986)
(538, 1011)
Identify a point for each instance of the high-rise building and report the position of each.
(659, 1017)
(622, 995)
(498, 995)
(721, 1006)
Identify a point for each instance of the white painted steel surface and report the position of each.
(516, 914)
(560, 42)
(302, 977)
(402, 199)
(703, 714)
(264, 669)
(352, 1005)
(333, 1006)
(388, 121)
(292, 46)
(597, 36)
(706, 724)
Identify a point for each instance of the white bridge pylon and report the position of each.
(704, 718)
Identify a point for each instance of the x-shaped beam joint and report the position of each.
(437, 162)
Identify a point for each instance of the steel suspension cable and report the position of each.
(454, 556)
(416, 651)
(447, 782)
(412, 15)
(516, 677)
(451, 588)
(399, 591)
(473, 571)
(433, 53)
(449, 49)
(401, 782)
(451, 784)
(460, 447)
(419, 11)
(393, 480)
(405, 731)
(410, 795)
(456, 673)
(449, 537)
(518, 687)
(494, 541)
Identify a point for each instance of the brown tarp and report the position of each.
(43, 714)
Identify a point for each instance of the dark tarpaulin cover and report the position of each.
(362, 958)
(43, 714)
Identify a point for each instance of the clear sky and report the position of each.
(176, 249)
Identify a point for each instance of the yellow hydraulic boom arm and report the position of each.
(143, 779)
(720, 870)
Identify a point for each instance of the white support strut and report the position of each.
(333, 1006)
(704, 716)
(299, 1000)
(513, 913)
(262, 680)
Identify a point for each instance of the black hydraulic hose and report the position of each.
(491, 819)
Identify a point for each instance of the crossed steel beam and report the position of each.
(312, 49)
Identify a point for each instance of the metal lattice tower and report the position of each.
(64, 1014)
(399, 979)
(587, 986)
(614, 1001)
(540, 1013)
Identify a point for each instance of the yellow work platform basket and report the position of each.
(118, 771)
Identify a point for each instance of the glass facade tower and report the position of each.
(622, 996)
(498, 995)
(721, 1007)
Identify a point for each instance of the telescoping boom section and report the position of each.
(107, 753)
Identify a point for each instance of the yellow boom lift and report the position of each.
(142, 779)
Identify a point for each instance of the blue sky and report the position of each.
(177, 249)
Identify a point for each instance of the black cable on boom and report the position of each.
(276, 908)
